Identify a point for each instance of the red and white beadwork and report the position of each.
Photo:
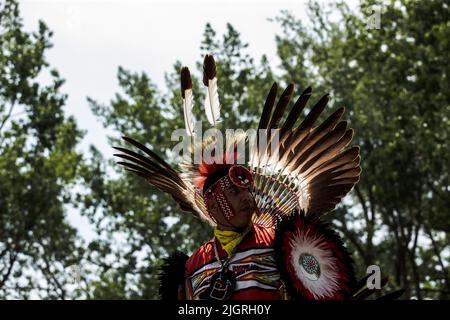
(238, 176)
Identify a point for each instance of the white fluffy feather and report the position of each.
(326, 285)
(188, 104)
(212, 104)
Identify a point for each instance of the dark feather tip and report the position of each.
(289, 89)
(209, 69)
(307, 91)
(186, 81)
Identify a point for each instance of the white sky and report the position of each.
(92, 38)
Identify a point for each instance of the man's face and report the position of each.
(243, 205)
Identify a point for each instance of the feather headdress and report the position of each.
(188, 100)
(314, 168)
(306, 167)
(212, 104)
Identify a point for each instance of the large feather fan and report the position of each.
(313, 171)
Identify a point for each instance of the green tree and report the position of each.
(394, 82)
(38, 164)
(133, 208)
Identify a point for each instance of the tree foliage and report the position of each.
(38, 164)
(394, 81)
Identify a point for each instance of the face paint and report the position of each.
(238, 176)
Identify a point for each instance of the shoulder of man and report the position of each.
(261, 236)
(200, 257)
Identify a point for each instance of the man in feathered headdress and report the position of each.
(269, 240)
(239, 262)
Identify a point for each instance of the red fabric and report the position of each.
(254, 267)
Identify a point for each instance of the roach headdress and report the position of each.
(313, 170)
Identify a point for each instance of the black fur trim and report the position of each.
(172, 275)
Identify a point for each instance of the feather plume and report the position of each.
(212, 104)
(161, 175)
(268, 106)
(188, 100)
(281, 106)
(294, 114)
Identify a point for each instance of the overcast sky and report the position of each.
(92, 38)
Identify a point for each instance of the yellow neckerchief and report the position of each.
(230, 239)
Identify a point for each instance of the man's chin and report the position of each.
(248, 219)
(243, 227)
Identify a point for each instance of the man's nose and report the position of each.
(245, 200)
